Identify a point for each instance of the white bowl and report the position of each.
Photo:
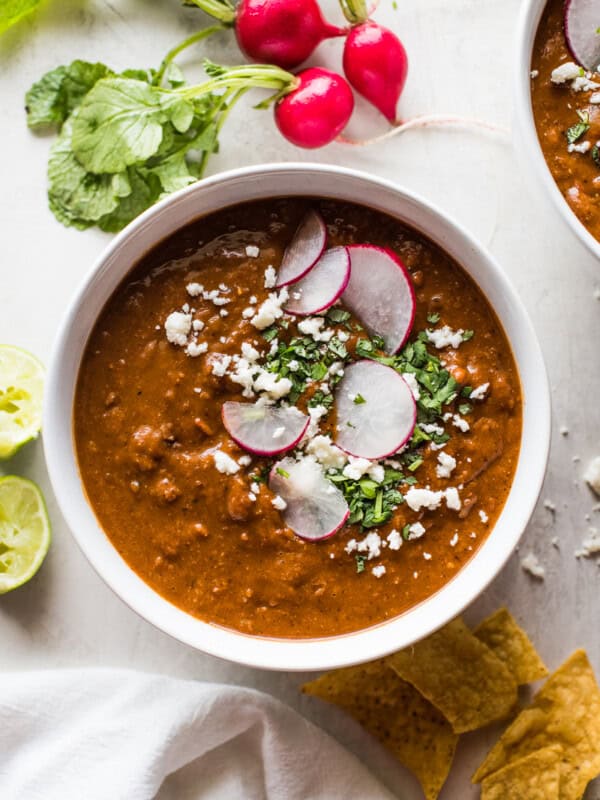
(264, 182)
(527, 143)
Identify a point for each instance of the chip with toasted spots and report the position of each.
(501, 633)
(397, 715)
(460, 676)
(534, 777)
(566, 711)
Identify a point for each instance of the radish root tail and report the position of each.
(430, 121)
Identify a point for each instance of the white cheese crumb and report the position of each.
(315, 413)
(423, 498)
(177, 327)
(356, 468)
(252, 497)
(371, 545)
(394, 540)
(253, 301)
(270, 310)
(195, 349)
(198, 390)
(194, 289)
(376, 472)
(549, 506)
(595, 98)
(584, 84)
(480, 392)
(592, 475)
(255, 487)
(343, 336)
(566, 72)
(225, 463)
(223, 313)
(249, 352)
(197, 325)
(534, 73)
(446, 465)
(483, 516)
(279, 503)
(563, 430)
(531, 565)
(452, 499)
(555, 542)
(581, 147)
(311, 326)
(460, 423)
(454, 540)
(252, 251)
(244, 461)
(445, 337)
(378, 571)
(293, 365)
(326, 453)
(269, 383)
(415, 531)
(412, 384)
(427, 556)
(270, 277)
(220, 364)
(248, 312)
(590, 545)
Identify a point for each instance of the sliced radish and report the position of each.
(304, 250)
(376, 410)
(322, 286)
(582, 19)
(264, 430)
(381, 294)
(315, 508)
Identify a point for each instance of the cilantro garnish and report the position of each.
(580, 128)
(371, 503)
(433, 318)
(360, 563)
(359, 399)
(338, 315)
(467, 335)
(596, 155)
(284, 473)
(465, 408)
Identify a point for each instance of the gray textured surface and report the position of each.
(460, 63)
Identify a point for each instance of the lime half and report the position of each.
(24, 531)
(21, 393)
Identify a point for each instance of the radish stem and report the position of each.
(427, 121)
(355, 11)
(175, 51)
(222, 10)
(258, 76)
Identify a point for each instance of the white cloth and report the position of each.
(104, 734)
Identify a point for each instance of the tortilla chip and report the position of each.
(501, 633)
(565, 711)
(535, 777)
(397, 715)
(460, 675)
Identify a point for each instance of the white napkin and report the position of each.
(103, 734)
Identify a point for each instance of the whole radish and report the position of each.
(280, 32)
(317, 110)
(376, 65)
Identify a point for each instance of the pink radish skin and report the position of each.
(317, 111)
(376, 64)
(305, 249)
(381, 294)
(251, 426)
(581, 19)
(281, 32)
(316, 509)
(384, 422)
(322, 286)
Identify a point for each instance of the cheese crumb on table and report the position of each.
(592, 475)
(590, 545)
(531, 565)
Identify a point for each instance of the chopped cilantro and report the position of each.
(319, 398)
(360, 563)
(359, 399)
(433, 318)
(284, 473)
(466, 391)
(371, 503)
(337, 315)
(415, 464)
(270, 333)
(406, 532)
(596, 155)
(337, 348)
(465, 408)
(467, 335)
(580, 128)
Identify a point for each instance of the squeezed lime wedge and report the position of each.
(21, 393)
(24, 531)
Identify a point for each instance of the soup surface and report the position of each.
(566, 108)
(192, 512)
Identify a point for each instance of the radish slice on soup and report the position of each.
(582, 20)
(376, 410)
(264, 430)
(304, 250)
(381, 294)
(315, 508)
(322, 286)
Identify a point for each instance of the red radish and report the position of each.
(264, 430)
(582, 18)
(376, 64)
(304, 250)
(315, 508)
(381, 294)
(376, 410)
(317, 111)
(281, 32)
(322, 286)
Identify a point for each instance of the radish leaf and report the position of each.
(11, 11)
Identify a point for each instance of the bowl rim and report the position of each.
(343, 649)
(531, 154)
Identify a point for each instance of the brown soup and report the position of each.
(567, 121)
(192, 513)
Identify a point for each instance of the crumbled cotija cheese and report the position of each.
(592, 475)
(480, 392)
(446, 464)
(270, 277)
(566, 72)
(252, 251)
(225, 463)
(326, 453)
(445, 337)
(483, 516)
(531, 565)
(590, 545)
(378, 571)
(415, 531)
(270, 310)
(311, 326)
(279, 503)
(273, 385)
(412, 384)
(195, 349)
(177, 327)
(394, 540)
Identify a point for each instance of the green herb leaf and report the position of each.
(359, 399)
(596, 155)
(50, 101)
(360, 563)
(337, 315)
(465, 408)
(434, 318)
(580, 128)
(11, 11)
(284, 473)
